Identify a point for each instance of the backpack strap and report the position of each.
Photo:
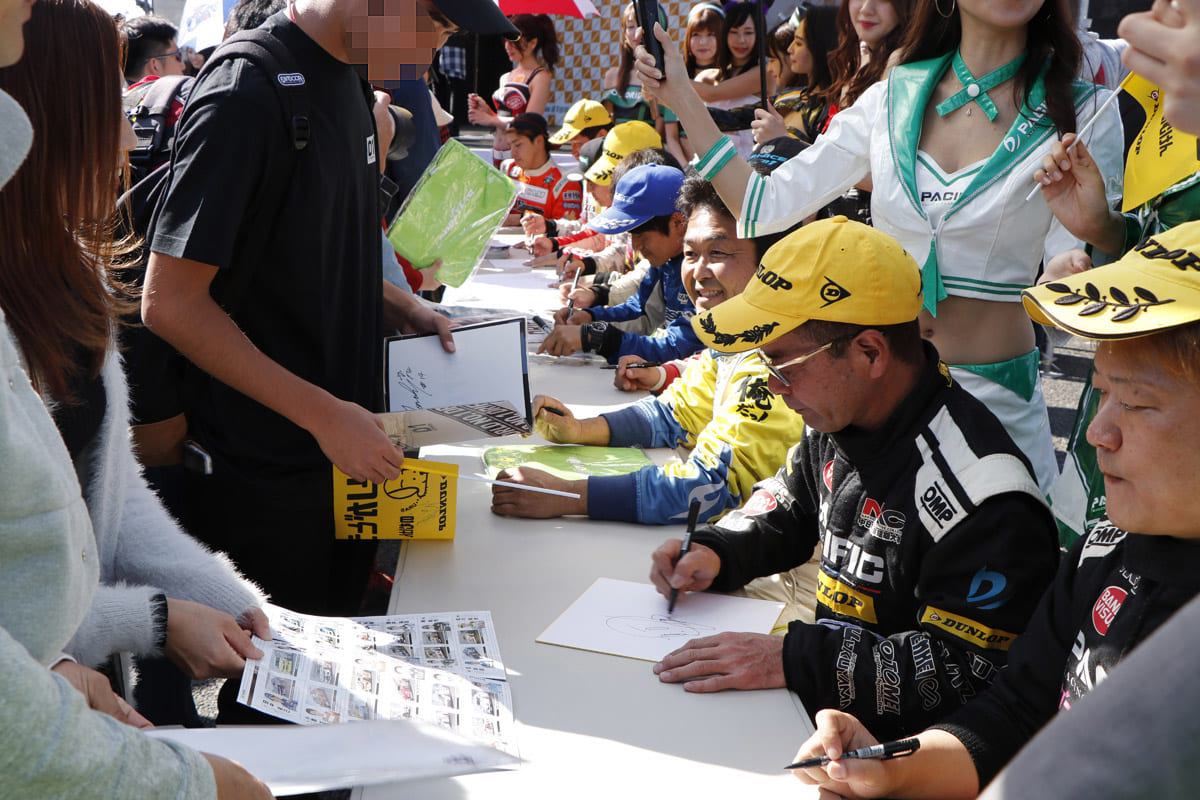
(150, 120)
(263, 49)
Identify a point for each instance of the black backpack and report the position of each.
(158, 375)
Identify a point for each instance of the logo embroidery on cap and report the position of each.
(831, 292)
(753, 336)
(772, 279)
(1122, 305)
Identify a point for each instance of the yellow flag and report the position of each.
(417, 505)
(1160, 156)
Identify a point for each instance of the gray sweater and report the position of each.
(51, 744)
(142, 549)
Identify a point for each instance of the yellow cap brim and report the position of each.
(602, 171)
(736, 326)
(1123, 300)
(564, 135)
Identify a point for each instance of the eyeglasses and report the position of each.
(776, 370)
(178, 54)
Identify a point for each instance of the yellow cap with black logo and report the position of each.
(834, 270)
(1155, 287)
(623, 139)
(581, 116)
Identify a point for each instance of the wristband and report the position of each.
(716, 158)
(662, 378)
(552, 228)
(589, 265)
(158, 616)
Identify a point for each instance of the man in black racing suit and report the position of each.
(936, 541)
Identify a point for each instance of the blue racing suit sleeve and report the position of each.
(633, 307)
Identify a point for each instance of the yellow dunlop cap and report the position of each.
(582, 115)
(1155, 287)
(623, 139)
(833, 270)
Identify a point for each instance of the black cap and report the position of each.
(477, 16)
(590, 152)
(529, 124)
(769, 155)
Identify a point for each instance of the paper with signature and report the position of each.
(488, 364)
(629, 619)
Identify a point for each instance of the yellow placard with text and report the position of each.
(1160, 156)
(420, 504)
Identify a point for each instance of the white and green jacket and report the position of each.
(990, 242)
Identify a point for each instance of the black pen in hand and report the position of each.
(637, 365)
(693, 515)
(903, 747)
(552, 410)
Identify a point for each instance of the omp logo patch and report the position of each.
(759, 503)
(1106, 608)
(843, 599)
(936, 502)
(968, 629)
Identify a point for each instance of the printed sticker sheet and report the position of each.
(442, 668)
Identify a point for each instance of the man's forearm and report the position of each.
(177, 306)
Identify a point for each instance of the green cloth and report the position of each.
(568, 462)
(1017, 374)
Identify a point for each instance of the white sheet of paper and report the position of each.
(291, 759)
(630, 619)
(488, 364)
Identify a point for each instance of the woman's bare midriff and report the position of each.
(968, 331)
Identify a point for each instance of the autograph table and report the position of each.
(588, 725)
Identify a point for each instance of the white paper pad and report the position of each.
(292, 759)
(488, 364)
(630, 619)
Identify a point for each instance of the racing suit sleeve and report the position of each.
(732, 445)
(566, 201)
(774, 531)
(631, 308)
(967, 613)
(1025, 696)
(676, 340)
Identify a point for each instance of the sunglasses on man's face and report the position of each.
(776, 370)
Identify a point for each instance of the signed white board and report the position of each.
(629, 619)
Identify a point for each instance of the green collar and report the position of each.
(977, 90)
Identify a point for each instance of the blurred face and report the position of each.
(874, 19)
(528, 153)
(579, 141)
(393, 40)
(517, 50)
(13, 15)
(1147, 439)
(740, 42)
(799, 56)
(716, 264)
(773, 70)
(703, 47)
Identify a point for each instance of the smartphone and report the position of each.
(196, 458)
(647, 15)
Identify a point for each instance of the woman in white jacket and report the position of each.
(160, 590)
(950, 140)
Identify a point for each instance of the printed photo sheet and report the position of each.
(442, 668)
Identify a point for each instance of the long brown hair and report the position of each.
(59, 245)
(700, 20)
(1051, 44)
(849, 80)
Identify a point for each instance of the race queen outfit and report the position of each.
(936, 542)
(986, 243)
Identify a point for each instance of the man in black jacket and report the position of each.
(936, 542)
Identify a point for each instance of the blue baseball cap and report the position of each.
(642, 194)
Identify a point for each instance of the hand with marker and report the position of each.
(1074, 189)
(509, 501)
(629, 378)
(838, 732)
(554, 422)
